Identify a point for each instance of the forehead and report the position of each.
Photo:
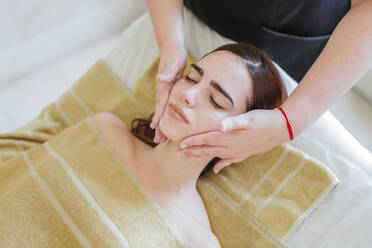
(229, 71)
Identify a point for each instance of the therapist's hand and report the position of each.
(253, 132)
(172, 63)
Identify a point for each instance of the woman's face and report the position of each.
(218, 86)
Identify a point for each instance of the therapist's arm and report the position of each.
(346, 57)
(167, 19)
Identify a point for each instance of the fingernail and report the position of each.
(224, 126)
(164, 76)
(182, 145)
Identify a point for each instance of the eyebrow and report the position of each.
(213, 83)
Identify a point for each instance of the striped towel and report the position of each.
(53, 191)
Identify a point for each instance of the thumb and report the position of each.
(222, 164)
(165, 77)
(236, 122)
(168, 74)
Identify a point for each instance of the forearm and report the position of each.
(167, 19)
(346, 57)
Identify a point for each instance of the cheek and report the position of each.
(178, 87)
(209, 120)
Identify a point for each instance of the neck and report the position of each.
(168, 172)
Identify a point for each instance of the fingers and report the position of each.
(173, 72)
(159, 136)
(226, 162)
(171, 66)
(208, 138)
(162, 96)
(237, 122)
(163, 91)
(201, 151)
(169, 74)
(221, 164)
(156, 138)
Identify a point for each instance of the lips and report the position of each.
(179, 111)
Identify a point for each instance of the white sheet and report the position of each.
(45, 45)
(345, 218)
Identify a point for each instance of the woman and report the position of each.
(295, 32)
(231, 80)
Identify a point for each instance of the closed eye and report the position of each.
(190, 79)
(215, 104)
(211, 98)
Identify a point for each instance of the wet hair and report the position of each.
(268, 89)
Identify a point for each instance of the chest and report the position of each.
(187, 213)
(193, 223)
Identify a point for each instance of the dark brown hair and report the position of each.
(268, 89)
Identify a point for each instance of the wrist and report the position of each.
(288, 124)
(171, 45)
(297, 114)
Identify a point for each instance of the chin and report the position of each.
(170, 128)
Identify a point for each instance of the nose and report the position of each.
(189, 97)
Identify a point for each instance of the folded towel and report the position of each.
(48, 198)
(73, 191)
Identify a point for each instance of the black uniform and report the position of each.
(292, 32)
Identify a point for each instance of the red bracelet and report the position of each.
(288, 125)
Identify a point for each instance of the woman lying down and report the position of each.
(71, 192)
(233, 79)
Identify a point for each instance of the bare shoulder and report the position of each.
(110, 123)
(113, 130)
